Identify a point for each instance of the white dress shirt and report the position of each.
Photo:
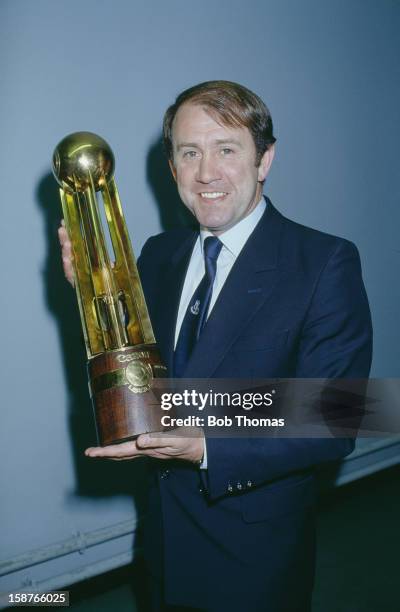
(233, 240)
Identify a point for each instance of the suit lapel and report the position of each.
(249, 284)
(170, 293)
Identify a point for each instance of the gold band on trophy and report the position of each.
(120, 343)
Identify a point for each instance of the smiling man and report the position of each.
(249, 295)
(216, 167)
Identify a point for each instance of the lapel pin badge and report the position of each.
(195, 308)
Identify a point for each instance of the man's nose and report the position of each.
(207, 170)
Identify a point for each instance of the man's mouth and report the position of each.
(212, 195)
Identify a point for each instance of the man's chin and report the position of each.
(216, 220)
(214, 226)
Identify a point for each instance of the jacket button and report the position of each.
(239, 486)
(164, 474)
(249, 484)
(230, 488)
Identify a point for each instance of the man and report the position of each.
(253, 295)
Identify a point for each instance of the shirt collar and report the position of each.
(235, 237)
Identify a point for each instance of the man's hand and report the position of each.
(66, 253)
(160, 445)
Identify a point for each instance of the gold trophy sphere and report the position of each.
(82, 159)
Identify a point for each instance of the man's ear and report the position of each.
(265, 163)
(172, 167)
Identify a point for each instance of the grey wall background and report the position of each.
(329, 72)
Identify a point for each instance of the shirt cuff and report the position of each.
(203, 464)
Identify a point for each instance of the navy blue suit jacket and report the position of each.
(294, 305)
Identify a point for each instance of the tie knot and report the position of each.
(212, 247)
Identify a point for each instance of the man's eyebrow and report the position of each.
(220, 141)
(229, 141)
(181, 145)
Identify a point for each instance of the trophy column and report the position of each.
(123, 361)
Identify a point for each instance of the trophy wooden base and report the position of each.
(121, 383)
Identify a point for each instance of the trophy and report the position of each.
(123, 361)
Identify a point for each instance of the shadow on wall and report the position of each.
(93, 478)
(159, 177)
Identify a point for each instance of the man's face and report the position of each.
(214, 167)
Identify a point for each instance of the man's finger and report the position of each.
(172, 438)
(117, 451)
(153, 440)
(63, 235)
(66, 254)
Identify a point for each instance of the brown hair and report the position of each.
(231, 104)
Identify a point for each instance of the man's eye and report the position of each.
(190, 154)
(226, 151)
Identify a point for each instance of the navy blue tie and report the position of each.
(196, 315)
